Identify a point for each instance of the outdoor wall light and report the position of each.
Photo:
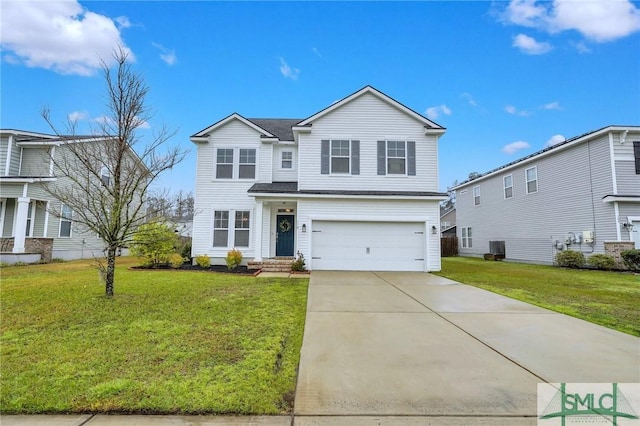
(434, 230)
(304, 227)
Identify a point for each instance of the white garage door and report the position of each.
(368, 246)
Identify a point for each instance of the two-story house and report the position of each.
(353, 187)
(29, 231)
(582, 194)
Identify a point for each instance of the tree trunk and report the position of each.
(111, 269)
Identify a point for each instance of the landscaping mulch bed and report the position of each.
(240, 270)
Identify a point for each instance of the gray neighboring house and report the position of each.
(448, 222)
(582, 194)
(29, 232)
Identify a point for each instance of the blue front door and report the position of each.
(285, 231)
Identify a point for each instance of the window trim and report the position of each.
(476, 196)
(241, 229)
(254, 164)
(31, 217)
(388, 157)
(467, 240)
(105, 175)
(331, 157)
(65, 219)
(505, 187)
(636, 156)
(282, 160)
(526, 180)
(215, 228)
(217, 163)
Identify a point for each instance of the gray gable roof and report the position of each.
(280, 127)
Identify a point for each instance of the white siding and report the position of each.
(372, 211)
(280, 174)
(368, 119)
(225, 194)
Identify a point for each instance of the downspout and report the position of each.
(614, 184)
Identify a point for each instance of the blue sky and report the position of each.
(504, 78)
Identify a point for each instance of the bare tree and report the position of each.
(104, 179)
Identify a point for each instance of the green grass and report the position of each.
(610, 299)
(168, 342)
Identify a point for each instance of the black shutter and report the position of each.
(382, 157)
(355, 157)
(636, 155)
(411, 158)
(324, 157)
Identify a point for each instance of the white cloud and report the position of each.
(514, 147)
(435, 111)
(103, 120)
(469, 99)
(530, 46)
(554, 140)
(76, 116)
(60, 36)
(597, 20)
(581, 47)
(167, 55)
(123, 22)
(552, 105)
(317, 52)
(287, 71)
(515, 111)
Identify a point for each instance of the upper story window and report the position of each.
(105, 175)
(508, 186)
(247, 169)
(397, 158)
(476, 195)
(636, 155)
(531, 175)
(65, 221)
(287, 160)
(224, 163)
(340, 157)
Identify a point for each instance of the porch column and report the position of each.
(20, 228)
(258, 233)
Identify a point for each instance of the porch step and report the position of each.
(281, 264)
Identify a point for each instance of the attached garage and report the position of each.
(368, 246)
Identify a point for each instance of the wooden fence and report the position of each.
(449, 246)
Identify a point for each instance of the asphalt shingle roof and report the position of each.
(280, 127)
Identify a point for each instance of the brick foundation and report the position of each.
(43, 246)
(614, 248)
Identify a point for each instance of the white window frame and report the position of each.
(220, 228)
(31, 215)
(3, 211)
(217, 163)
(467, 237)
(283, 160)
(526, 179)
(105, 175)
(348, 156)
(242, 164)
(395, 157)
(505, 187)
(245, 219)
(476, 195)
(66, 219)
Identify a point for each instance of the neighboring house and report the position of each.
(448, 222)
(29, 231)
(582, 194)
(353, 187)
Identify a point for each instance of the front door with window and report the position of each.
(285, 231)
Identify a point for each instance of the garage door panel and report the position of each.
(381, 246)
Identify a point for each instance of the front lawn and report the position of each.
(610, 299)
(168, 342)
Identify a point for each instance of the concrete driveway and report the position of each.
(413, 348)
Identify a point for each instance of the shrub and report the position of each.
(185, 248)
(631, 258)
(175, 260)
(57, 260)
(570, 259)
(233, 259)
(203, 261)
(298, 264)
(154, 242)
(601, 261)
